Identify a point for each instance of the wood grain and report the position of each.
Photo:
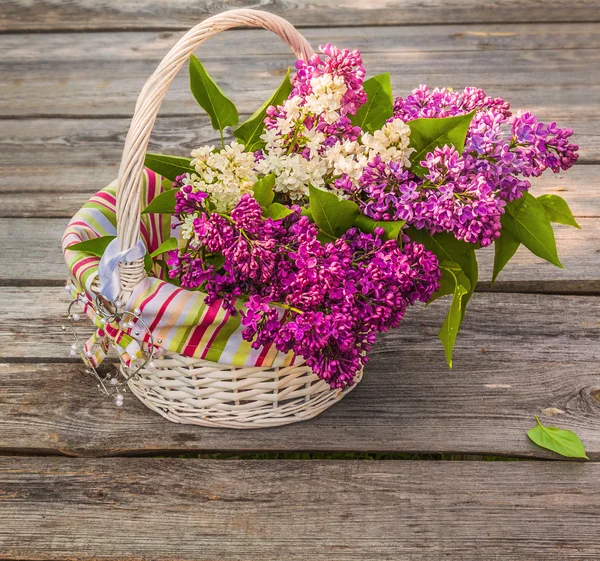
(517, 356)
(153, 14)
(153, 45)
(91, 74)
(65, 509)
(36, 258)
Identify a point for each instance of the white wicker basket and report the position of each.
(191, 390)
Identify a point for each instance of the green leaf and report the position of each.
(263, 190)
(307, 212)
(325, 238)
(169, 245)
(210, 97)
(451, 325)
(368, 225)
(450, 272)
(332, 216)
(427, 134)
(558, 210)
(163, 265)
(162, 204)
(447, 248)
(148, 263)
(95, 246)
(277, 211)
(379, 106)
(168, 166)
(563, 442)
(527, 221)
(249, 132)
(216, 260)
(504, 248)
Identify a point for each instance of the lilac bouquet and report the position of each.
(336, 207)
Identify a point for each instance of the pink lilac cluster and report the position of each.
(324, 302)
(465, 193)
(338, 62)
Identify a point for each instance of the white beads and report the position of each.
(72, 352)
(67, 288)
(119, 400)
(114, 381)
(152, 364)
(75, 317)
(75, 346)
(137, 311)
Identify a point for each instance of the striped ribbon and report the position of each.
(178, 319)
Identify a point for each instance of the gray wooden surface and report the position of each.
(282, 510)
(530, 346)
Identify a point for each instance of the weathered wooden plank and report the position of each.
(32, 247)
(114, 14)
(517, 356)
(82, 155)
(100, 82)
(68, 509)
(152, 45)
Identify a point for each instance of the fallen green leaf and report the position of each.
(563, 442)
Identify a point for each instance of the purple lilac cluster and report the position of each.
(466, 193)
(325, 302)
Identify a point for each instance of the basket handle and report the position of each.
(146, 110)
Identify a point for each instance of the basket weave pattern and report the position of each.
(194, 391)
(191, 390)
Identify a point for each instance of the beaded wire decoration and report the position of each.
(111, 386)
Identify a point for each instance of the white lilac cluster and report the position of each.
(326, 97)
(297, 152)
(309, 140)
(390, 143)
(224, 174)
(293, 169)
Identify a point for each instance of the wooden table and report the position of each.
(80, 479)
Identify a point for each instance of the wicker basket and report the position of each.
(191, 390)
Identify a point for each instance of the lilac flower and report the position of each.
(338, 62)
(452, 198)
(336, 296)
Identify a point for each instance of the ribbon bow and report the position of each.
(108, 270)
